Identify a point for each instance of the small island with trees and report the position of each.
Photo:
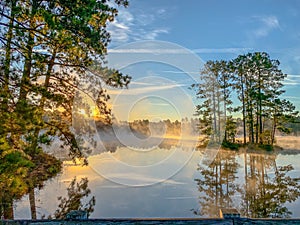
(249, 87)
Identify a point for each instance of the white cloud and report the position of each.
(120, 28)
(161, 11)
(135, 27)
(152, 35)
(294, 75)
(223, 50)
(179, 50)
(180, 72)
(291, 97)
(267, 24)
(149, 51)
(291, 83)
(143, 90)
(292, 79)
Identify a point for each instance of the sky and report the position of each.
(210, 30)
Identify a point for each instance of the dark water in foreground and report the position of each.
(177, 182)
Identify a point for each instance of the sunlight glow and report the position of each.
(82, 112)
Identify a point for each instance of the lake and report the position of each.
(177, 182)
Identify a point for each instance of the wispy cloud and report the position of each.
(135, 27)
(180, 72)
(143, 90)
(266, 25)
(291, 83)
(180, 50)
(120, 28)
(293, 75)
(223, 50)
(291, 97)
(149, 51)
(292, 79)
(150, 35)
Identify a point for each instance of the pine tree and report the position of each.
(211, 96)
(47, 49)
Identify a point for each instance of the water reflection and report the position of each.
(268, 187)
(257, 184)
(216, 184)
(77, 199)
(264, 192)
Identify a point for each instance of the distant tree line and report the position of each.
(250, 87)
(166, 127)
(294, 126)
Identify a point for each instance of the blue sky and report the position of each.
(215, 29)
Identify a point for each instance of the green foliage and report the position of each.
(214, 92)
(12, 161)
(19, 175)
(267, 147)
(56, 44)
(230, 129)
(47, 49)
(77, 194)
(257, 81)
(230, 145)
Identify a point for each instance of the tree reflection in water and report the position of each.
(264, 192)
(78, 193)
(267, 187)
(216, 184)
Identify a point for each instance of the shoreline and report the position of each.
(147, 221)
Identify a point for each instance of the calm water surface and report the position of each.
(176, 182)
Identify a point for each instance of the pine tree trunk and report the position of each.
(7, 61)
(260, 110)
(219, 118)
(8, 208)
(214, 112)
(225, 108)
(32, 204)
(251, 125)
(25, 80)
(274, 129)
(244, 111)
(257, 125)
(249, 108)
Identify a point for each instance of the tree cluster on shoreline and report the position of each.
(254, 81)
